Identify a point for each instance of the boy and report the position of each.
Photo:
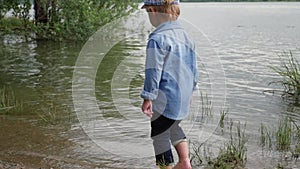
(170, 78)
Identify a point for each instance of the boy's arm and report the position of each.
(153, 71)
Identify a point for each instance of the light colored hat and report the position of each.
(158, 2)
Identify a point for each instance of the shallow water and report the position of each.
(241, 40)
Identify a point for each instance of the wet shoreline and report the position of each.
(26, 146)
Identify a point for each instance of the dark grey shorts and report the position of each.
(165, 131)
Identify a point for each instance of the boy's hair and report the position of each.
(167, 8)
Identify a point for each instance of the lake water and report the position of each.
(91, 94)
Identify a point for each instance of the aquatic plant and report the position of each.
(285, 138)
(289, 70)
(279, 166)
(8, 102)
(223, 114)
(207, 107)
(54, 115)
(232, 155)
(265, 137)
(296, 150)
(196, 157)
(283, 134)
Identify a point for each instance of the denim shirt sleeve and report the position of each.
(153, 70)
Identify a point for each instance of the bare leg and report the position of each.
(183, 154)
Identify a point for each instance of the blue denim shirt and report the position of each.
(170, 71)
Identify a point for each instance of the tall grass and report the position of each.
(284, 134)
(233, 154)
(8, 102)
(296, 149)
(195, 156)
(289, 70)
(284, 138)
(207, 107)
(265, 137)
(55, 115)
(223, 114)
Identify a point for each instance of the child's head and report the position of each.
(162, 10)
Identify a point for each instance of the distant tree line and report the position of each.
(239, 0)
(61, 19)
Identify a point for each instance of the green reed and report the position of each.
(289, 70)
(265, 137)
(195, 156)
(55, 115)
(284, 134)
(286, 137)
(207, 108)
(232, 155)
(296, 150)
(223, 115)
(9, 104)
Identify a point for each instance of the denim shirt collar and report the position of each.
(166, 26)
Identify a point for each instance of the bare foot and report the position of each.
(183, 165)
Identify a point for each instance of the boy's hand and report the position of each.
(147, 108)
